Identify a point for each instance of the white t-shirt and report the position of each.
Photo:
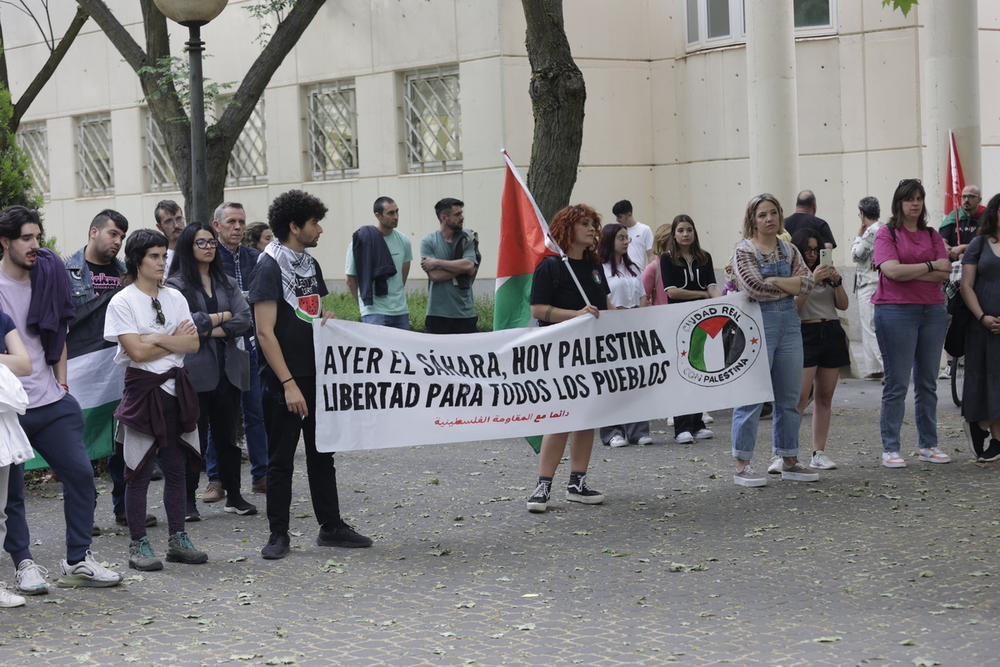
(131, 311)
(642, 242)
(626, 290)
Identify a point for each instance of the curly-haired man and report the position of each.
(285, 290)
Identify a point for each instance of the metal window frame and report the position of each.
(159, 170)
(737, 23)
(332, 130)
(33, 138)
(433, 141)
(94, 153)
(248, 161)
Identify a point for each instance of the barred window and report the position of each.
(93, 153)
(158, 167)
(433, 120)
(33, 138)
(248, 162)
(333, 130)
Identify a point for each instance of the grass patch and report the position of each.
(347, 308)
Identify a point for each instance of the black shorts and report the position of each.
(824, 344)
(436, 324)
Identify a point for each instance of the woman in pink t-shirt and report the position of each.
(910, 320)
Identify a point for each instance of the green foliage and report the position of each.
(177, 71)
(347, 309)
(15, 166)
(903, 5)
(266, 11)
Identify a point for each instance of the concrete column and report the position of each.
(951, 75)
(774, 125)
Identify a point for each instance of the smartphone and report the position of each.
(826, 256)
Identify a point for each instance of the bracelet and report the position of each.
(838, 283)
(930, 267)
(287, 381)
(548, 314)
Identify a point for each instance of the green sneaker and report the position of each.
(141, 557)
(181, 550)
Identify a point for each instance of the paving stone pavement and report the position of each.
(867, 566)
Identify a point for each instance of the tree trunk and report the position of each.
(558, 95)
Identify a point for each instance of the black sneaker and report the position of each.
(192, 513)
(240, 506)
(581, 493)
(977, 438)
(539, 500)
(344, 536)
(278, 546)
(992, 452)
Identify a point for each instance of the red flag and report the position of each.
(954, 179)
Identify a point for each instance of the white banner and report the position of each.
(382, 387)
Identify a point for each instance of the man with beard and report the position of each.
(170, 221)
(35, 293)
(961, 225)
(450, 258)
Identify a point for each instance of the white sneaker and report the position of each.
(8, 599)
(945, 373)
(821, 461)
(704, 434)
(707, 418)
(30, 578)
(88, 573)
(644, 440)
(774, 468)
(684, 438)
(893, 460)
(934, 455)
(670, 421)
(749, 477)
(617, 441)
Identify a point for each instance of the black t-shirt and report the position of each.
(968, 230)
(105, 277)
(544, 289)
(294, 335)
(798, 220)
(691, 277)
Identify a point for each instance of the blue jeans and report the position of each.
(253, 429)
(783, 334)
(911, 336)
(397, 321)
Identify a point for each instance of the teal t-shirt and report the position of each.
(444, 298)
(394, 303)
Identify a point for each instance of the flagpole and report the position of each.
(551, 242)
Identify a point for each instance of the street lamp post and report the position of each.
(193, 14)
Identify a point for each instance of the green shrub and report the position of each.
(347, 308)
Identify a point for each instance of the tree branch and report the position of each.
(56, 56)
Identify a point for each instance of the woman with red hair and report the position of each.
(555, 298)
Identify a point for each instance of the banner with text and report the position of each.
(382, 387)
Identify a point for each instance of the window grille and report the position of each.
(333, 130)
(248, 162)
(433, 120)
(93, 151)
(33, 138)
(158, 167)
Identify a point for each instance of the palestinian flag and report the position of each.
(954, 180)
(716, 343)
(524, 242)
(95, 379)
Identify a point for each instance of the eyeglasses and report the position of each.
(810, 251)
(910, 180)
(179, 220)
(202, 243)
(623, 238)
(160, 319)
(971, 197)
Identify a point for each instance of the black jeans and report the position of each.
(283, 430)
(220, 408)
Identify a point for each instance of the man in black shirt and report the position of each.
(805, 216)
(285, 290)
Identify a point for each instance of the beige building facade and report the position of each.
(413, 99)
